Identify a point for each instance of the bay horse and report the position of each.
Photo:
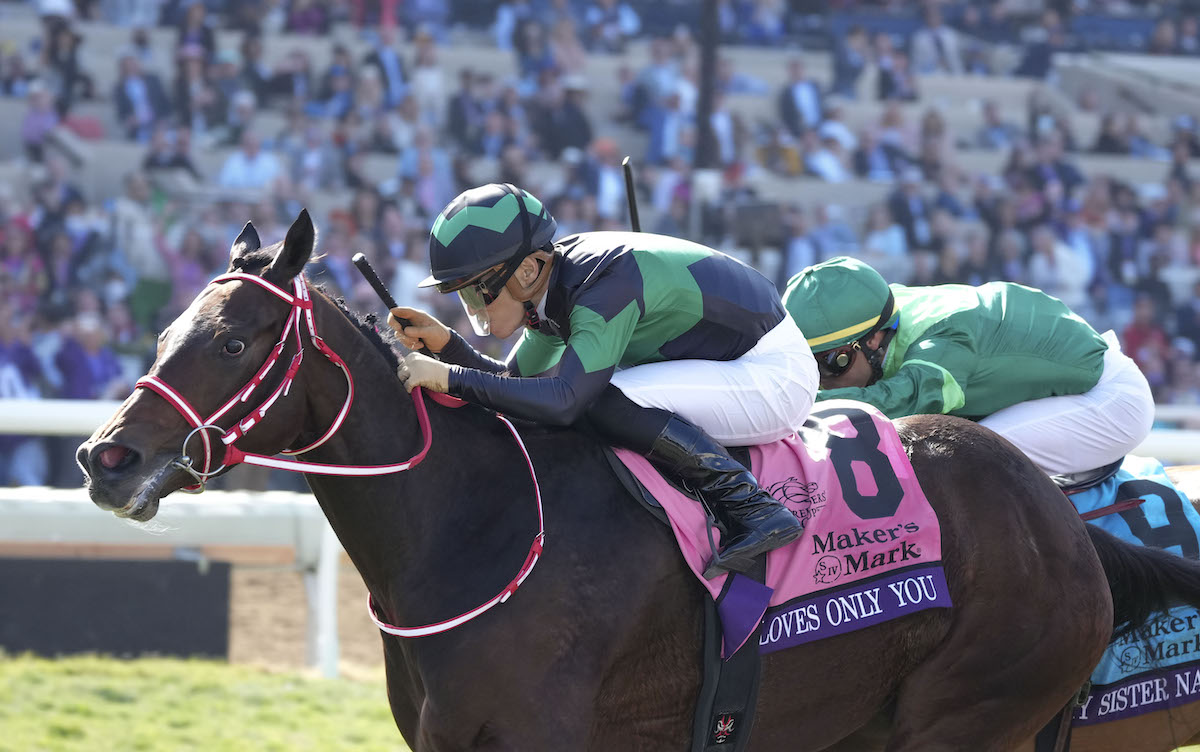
(599, 648)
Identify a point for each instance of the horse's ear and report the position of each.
(247, 242)
(295, 252)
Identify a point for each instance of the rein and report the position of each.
(302, 309)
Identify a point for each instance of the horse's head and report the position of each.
(208, 357)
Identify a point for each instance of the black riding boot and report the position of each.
(754, 522)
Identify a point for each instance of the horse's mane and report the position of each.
(368, 325)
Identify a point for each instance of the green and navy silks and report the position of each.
(614, 300)
(1159, 666)
(970, 351)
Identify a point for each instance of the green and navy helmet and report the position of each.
(839, 301)
(482, 227)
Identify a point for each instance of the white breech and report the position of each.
(1079, 432)
(758, 398)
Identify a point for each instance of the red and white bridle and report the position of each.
(302, 309)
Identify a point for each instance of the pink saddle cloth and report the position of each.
(871, 549)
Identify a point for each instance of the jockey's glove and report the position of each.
(419, 370)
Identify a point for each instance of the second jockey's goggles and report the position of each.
(835, 362)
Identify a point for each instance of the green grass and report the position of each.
(162, 705)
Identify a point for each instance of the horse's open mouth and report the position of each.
(144, 504)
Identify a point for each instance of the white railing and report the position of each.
(232, 518)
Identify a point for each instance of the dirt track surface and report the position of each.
(268, 620)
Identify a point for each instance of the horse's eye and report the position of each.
(234, 347)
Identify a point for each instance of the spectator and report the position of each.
(89, 366)
(566, 50)
(1189, 36)
(293, 81)
(895, 81)
(1113, 137)
(1187, 317)
(23, 459)
(800, 105)
(255, 75)
(195, 31)
(610, 24)
(849, 61)
(1057, 269)
(668, 124)
(883, 238)
(1144, 339)
(996, 133)
(140, 99)
(307, 17)
(198, 105)
(799, 248)
(910, 208)
(39, 122)
(1041, 44)
(250, 167)
(15, 78)
(65, 76)
(825, 158)
(874, 160)
(391, 68)
(168, 151)
(428, 87)
(509, 17)
(935, 46)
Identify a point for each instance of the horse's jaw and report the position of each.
(136, 499)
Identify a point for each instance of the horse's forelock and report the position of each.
(254, 262)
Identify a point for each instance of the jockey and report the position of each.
(657, 344)
(1013, 358)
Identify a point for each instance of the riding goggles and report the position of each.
(835, 362)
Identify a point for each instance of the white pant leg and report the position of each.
(759, 398)
(1080, 432)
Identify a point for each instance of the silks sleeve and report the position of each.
(569, 377)
(931, 380)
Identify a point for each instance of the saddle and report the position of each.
(1073, 483)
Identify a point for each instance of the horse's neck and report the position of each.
(403, 531)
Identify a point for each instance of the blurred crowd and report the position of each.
(87, 281)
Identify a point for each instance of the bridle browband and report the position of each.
(302, 309)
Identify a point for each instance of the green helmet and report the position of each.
(493, 224)
(839, 301)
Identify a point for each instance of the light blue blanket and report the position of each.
(1159, 666)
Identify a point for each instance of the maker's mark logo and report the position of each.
(804, 499)
(828, 570)
(1132, 657)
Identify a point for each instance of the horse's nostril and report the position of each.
(110, 458)
(113, 456)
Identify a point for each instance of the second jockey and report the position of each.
(657, 344)
(1011, 357)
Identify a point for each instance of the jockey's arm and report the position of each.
(459, 352)
(566, 377)
(931, 379)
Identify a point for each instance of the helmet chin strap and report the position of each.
(528, 292)
(875, 355)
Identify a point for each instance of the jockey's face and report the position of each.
(858, 374)
(507, 314)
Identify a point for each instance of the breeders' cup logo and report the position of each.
(829, 568)
(723, 730)
(1132, 657)
(804, 499)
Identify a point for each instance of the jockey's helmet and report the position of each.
(483, 227)
(479, 240)
(838, 302)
